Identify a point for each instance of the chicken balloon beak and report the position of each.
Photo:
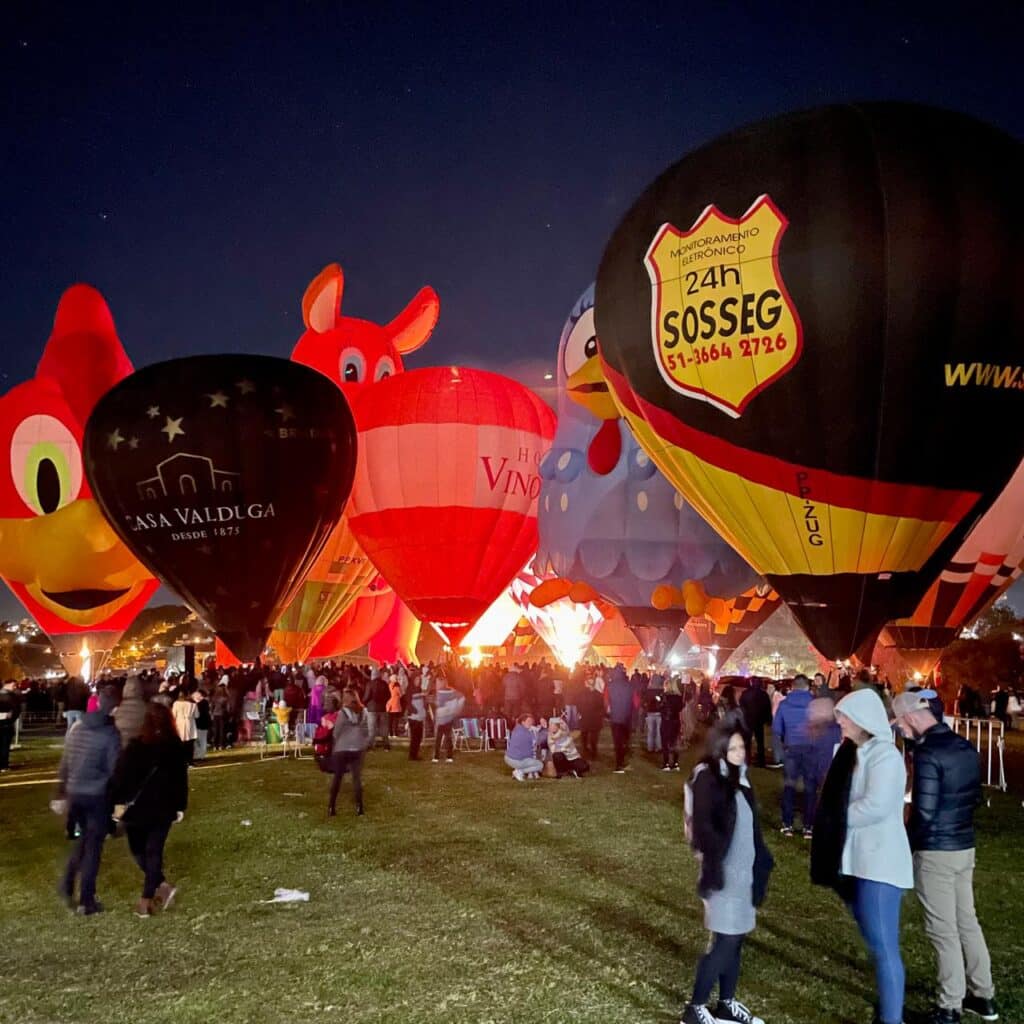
(588, 388)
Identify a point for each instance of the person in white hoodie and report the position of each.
(876, 852)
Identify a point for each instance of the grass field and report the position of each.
(460, 896)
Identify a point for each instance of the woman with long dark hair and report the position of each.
(151, 784)
(722, 823)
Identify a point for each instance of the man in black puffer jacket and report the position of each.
(947, 788)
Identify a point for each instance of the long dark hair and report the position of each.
(158, 725)
(716, 743)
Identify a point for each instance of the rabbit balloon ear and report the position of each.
(321, 304)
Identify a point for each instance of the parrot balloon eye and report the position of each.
(46, 464)
(352, 364)
(385, 368)
(581, 345)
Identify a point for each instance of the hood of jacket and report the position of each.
(865, 708)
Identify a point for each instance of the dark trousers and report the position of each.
(444, 735)
(92, 815)
(415, 739)
(801, 763)
(564, 765)
(394, 720)
(347, 761)
(218, 732)
(757, 739)
(670, 741)
(720, 963)
(588, 739)
(620, 737)
(6, 739)
(190, 750)
(146, 843)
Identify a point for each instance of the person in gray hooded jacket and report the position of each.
(91, 750)
(351, 738)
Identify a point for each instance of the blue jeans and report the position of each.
(73, 716)
(801, 763)
(876, 909)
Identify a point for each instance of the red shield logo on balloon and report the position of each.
(723, 325)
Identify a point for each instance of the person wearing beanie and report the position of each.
(946, 790)
(90, 755)
(874, 863)
(129, 714)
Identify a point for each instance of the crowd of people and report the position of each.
(130, 743)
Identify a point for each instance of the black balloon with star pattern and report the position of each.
(224, 475)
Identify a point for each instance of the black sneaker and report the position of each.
(943, 1015)
(732, 1011)
(88, 909)
(694, 1014)
(983, 1008)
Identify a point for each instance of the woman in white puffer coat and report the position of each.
(876, 852)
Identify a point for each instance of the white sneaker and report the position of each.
(732, 1011)
(517, 774)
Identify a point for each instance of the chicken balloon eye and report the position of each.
(352, 366)
(581, 345)
(46, 464)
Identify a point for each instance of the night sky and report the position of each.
(199, 169)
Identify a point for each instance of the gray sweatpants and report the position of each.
(944, 882)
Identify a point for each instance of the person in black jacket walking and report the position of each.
(591, 719)
(151, 792)
(946, 790)
(756, 706)
(735, 864)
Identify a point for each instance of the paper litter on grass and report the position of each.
(293, 794)
(288, 896)
(246, 822)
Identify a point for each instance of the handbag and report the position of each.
(117, 820)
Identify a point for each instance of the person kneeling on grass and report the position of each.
(564, 755)
(722, 824)
(521, 753)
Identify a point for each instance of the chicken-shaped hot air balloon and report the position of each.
(607, 518)
(57, 552)
(355, 354)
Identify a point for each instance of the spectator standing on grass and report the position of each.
(946, 791)
(723, 826)
(219, 711)
(151, 789)
(91, 750)
(394, 704)
(202, 723)
(652, 698)
(620, 713)
(78, 698)
(184, 712)
(130, 713)
(793, 745)
(756, 706)
(351, 738)
(10, 710)
(417, 717)
(448, 707)
(591, 709)
(874, 860)
(376, 696)
(671, 724)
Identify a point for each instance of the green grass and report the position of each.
(461, 896)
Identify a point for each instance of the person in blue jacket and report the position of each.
(792, 738)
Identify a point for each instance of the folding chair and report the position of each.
(496, 732)
(469, 733)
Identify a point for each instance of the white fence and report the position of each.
(986, 734)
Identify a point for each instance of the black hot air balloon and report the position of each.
(814, 327)
(224, 475)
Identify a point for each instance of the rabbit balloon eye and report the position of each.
(352, 365)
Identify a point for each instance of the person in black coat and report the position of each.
(151, 792)
(756, 706)
(724, 829)
(591, 719)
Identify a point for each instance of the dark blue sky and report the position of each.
(199, 166)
